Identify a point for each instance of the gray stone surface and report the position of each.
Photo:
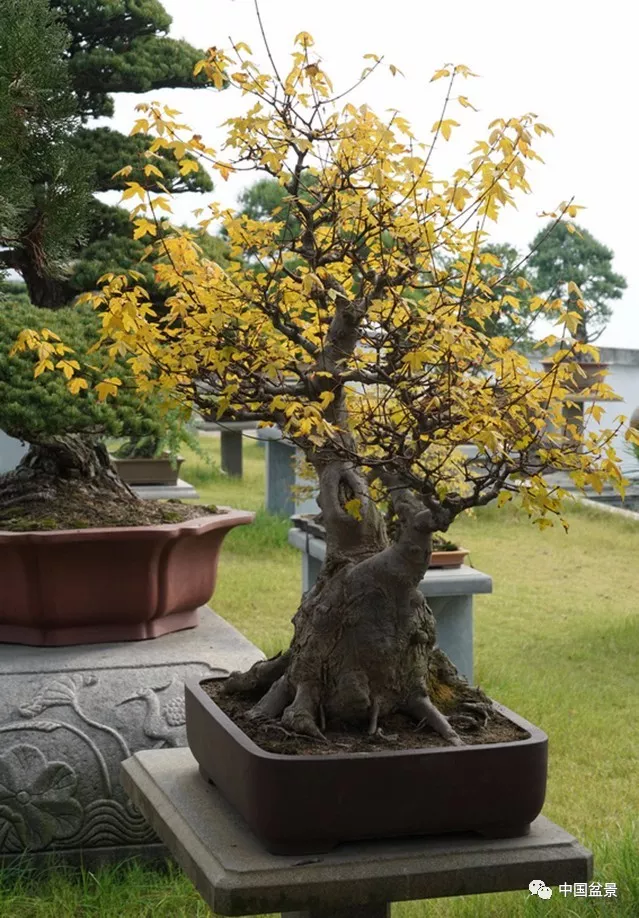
(181, 491)
(449, 592)
(282, 475)
(236, 876)
(11, 452)
(70, 715)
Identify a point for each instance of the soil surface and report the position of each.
(396, 732)
(71, 509)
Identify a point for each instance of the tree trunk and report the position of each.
(44, 291)
(364, 640)
(61, 460)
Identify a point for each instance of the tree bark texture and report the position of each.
(364, 639)
(62, 460)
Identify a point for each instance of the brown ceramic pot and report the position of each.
(302, 804)
(118, 584)
(453, 558)
(149, 471)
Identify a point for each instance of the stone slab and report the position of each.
(180, 491)
(459, 581)
(70, 715)
(237, 876)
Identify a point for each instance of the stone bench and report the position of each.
(449, 592)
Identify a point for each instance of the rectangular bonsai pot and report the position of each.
(303, 804)
(157, 471)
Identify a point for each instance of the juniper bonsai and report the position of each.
(374, 360)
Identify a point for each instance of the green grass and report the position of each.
(558, 641)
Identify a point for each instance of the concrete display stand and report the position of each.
(449, 592)
(281, 475)
(182, 491)
(70, 715)
(236, 876)
(230, 442)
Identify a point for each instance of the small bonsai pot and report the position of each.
(81, 586)
(449, 558)
(302, 804)
(307, 522)
(139, 471)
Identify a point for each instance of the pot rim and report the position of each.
(226, 518)
(192, 684)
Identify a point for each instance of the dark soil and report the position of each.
(397, 732)
(73, 509)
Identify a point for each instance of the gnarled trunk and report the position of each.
(59, 461)
(364, 641)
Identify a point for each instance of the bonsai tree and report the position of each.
(567, 261)
(65, 419)
(373, 359)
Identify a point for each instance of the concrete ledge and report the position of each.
(456, 581)
(599, 505)
(182, 490)
(236, 876)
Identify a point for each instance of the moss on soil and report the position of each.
(72, 510)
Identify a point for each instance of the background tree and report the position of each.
(111, 47)
(560, 257)
(44, 190)
(324, 336)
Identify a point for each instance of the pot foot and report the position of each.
(505, 830)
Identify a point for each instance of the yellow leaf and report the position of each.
(188, 165)
(439, 74)
(395, 70)
(150, 169)
(107, 387)
(76, 384)
(465, 103)
(304, 39)
(503, 497)
(125, 170)
(354, 508)
(445, 127)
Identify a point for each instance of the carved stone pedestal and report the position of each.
(70, 715)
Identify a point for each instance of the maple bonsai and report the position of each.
(364, 337)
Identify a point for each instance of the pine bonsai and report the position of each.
(64, 419)
(374, 360)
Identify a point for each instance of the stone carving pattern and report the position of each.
(42, 804)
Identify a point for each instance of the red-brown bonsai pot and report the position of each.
(80, 586)
(303, 804)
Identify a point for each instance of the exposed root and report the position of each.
(260, 677)
(424, 711)
(300, 715)
(274, 702)
(372, 726)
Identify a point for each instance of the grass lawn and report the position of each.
(557, 641)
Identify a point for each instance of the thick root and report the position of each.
(424, 711)
(260, 677)
(274, 702)
(300, 715)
